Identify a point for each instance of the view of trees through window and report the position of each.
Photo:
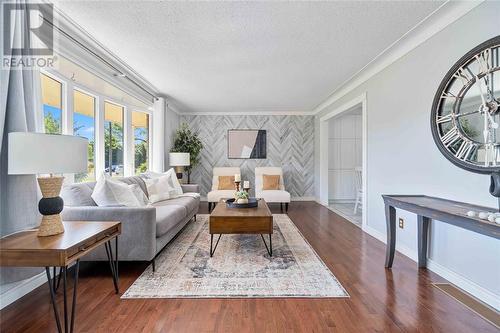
(84, 112)
(84, 126)
(140, 128)
(52, 104)
(113, 139)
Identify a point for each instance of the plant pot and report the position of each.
(242, 201)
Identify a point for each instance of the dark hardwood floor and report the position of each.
(397, 300)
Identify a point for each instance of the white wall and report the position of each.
(344, 154)
(402, 157)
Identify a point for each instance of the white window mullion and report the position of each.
(128, 141)
(68, 106)
(99, 136)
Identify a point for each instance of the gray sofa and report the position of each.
(145, 230)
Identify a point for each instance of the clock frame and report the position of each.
(455, 137)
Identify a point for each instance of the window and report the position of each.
(52, 104)
(84, 126)
(113, 139)
(140, 128)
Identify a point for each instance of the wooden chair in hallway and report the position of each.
(358, 182)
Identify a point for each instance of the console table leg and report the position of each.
(423, 235)
(390, 218)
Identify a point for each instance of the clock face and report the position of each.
(465, 116)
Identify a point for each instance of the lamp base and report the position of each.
(51, 225)
(50, 206)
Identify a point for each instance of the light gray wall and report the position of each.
(171, 125)
(290, 144)
(402, 157)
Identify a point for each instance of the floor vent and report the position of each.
(485, 311)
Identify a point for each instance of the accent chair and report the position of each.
(278, 195)
(215, 194)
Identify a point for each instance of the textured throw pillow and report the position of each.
(175, 188)
(226, 183)
(111, 193)
(271, 182)
(158, 188)
(142, 199)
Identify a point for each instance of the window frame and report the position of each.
(68, 87)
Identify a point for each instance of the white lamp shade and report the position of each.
(33, 153)
(179, 159)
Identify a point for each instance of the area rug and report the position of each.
(240, 267)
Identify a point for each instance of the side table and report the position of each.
(26, 249)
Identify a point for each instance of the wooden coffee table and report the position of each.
(224, 220)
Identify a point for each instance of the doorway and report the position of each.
(345, 164)
(343, 161)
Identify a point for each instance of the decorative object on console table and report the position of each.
(38, 153)
(188, 142)
(179, 161)
(467, 133)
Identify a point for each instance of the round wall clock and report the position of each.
(465, 115)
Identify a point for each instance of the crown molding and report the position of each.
(246, 113)
(439, 19)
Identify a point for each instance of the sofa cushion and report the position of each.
(226, 183)
(168, 216)
(78, 194)
(191, 203)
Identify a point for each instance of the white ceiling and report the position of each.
(247, 56)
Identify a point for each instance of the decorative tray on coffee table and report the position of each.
(252, 203)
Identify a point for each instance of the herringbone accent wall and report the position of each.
(290, 144)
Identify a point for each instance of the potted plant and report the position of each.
(186, 141)
(241, 197)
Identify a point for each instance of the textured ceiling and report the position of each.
(247, 56)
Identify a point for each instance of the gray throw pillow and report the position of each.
(77, 195)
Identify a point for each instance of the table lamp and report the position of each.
(179, 161)
(38, 153)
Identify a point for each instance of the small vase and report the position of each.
(242, 201)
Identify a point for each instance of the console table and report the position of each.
(430, 208)
(26, 249)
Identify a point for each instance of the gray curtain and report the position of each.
(19, 105)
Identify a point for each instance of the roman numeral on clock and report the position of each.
(465, 150)
(444, 119)
(484, 60)
(451, 137)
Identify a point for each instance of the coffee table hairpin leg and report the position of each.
(211, 243)
(270, 248)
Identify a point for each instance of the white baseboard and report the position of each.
(462, 282)
(23, 288)
(469, 286)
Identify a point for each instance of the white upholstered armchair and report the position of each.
(275, 195)
(215, 194)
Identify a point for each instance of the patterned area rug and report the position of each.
(240, 267)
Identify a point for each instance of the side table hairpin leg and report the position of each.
(68, 322)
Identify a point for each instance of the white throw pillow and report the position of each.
(158, 188)
(173, 184)
(111, 193)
